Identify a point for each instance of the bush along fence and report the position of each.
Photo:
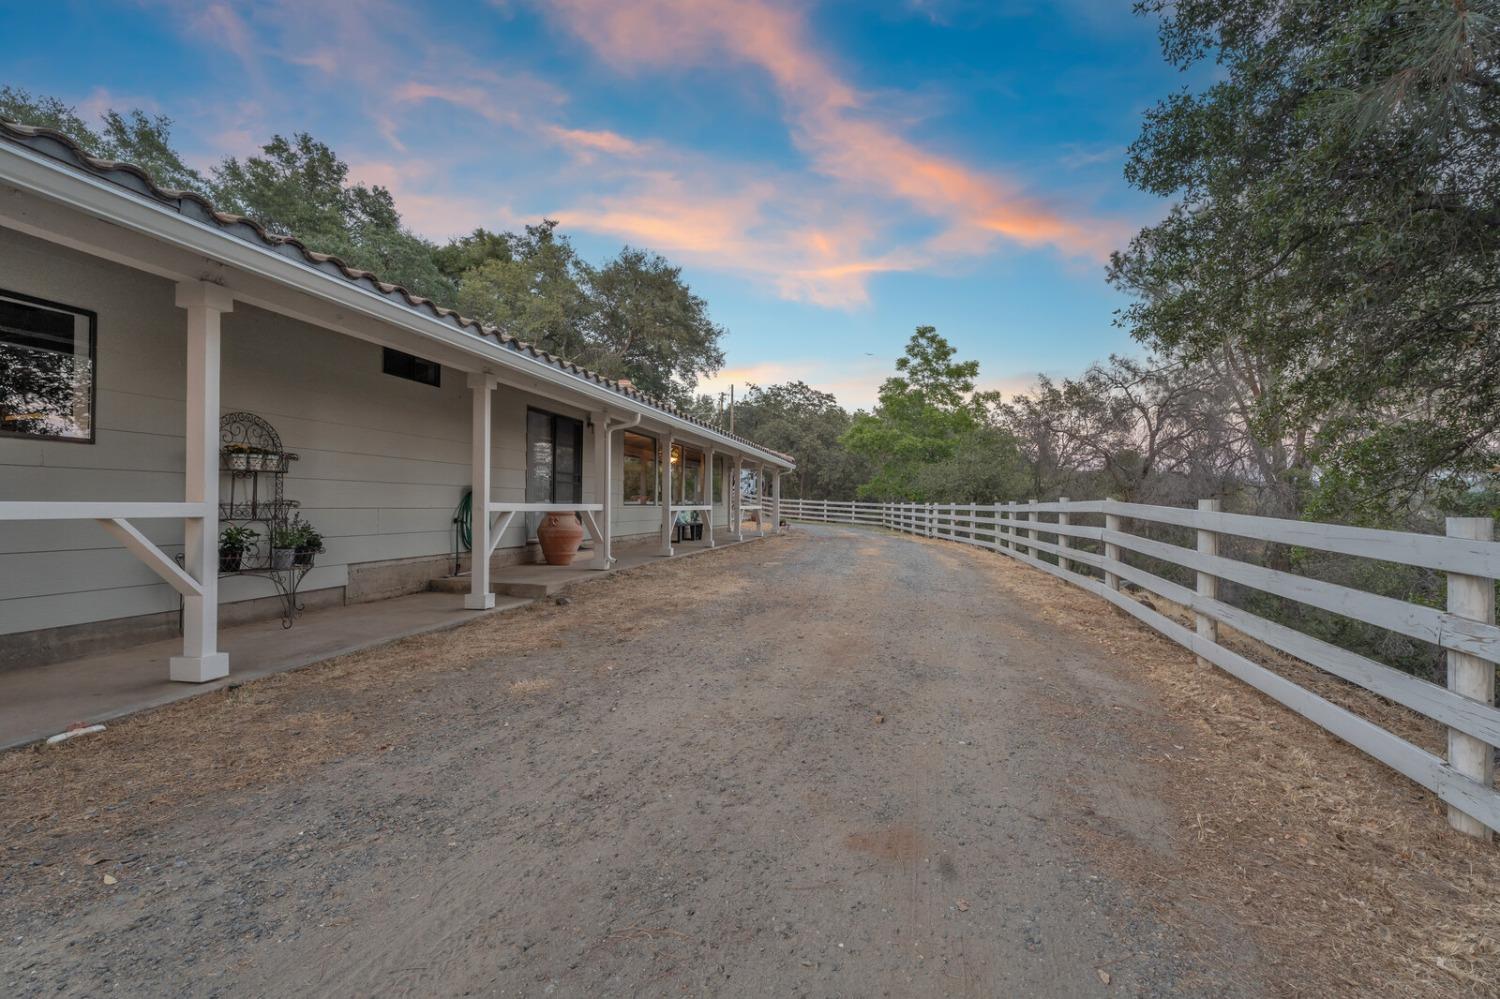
(1465, 631)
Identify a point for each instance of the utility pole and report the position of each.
(731, 408)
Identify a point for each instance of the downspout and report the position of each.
(607, 488)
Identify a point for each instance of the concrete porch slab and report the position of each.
(38, 701)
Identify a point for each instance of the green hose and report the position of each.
(463, 521)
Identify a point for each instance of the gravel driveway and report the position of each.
(828, 764)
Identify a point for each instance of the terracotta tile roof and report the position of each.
(195, 206)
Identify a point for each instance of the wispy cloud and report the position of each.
(588, 141)
(867, 199)
(854, 382)
(726, 217)
(828, 117)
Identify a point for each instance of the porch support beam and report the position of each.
(156, 560)
(776, 500)
(707, 486)
(724, 496)
(483, 530)
(499, 524)
(760, 498)
(667, 517)
(602, 526)
(738, 493)
(201, 659)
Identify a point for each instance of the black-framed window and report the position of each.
(639, 469)
(554, 458)
(403, 365)
(687, 476)
(46, 369)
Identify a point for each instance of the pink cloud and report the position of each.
(713, 215)
(818, 235)
(419, 188)
(829, 118)
(603, 141)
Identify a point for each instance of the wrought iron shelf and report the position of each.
(266, 512)
(287, 583)
(254, 464)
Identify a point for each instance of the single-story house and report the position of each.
(168, 372)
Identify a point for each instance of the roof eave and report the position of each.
(80, 190)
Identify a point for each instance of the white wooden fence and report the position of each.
(1466, 630)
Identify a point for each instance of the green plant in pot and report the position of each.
(234, 541)
(284, 541)
(311, 543)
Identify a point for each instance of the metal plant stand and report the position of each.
(286, 582)
(252, 493)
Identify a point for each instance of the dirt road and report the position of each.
(831, 764)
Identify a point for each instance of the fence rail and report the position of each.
(1466, 630)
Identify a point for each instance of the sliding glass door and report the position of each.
(554, 461)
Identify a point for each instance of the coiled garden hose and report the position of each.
(463, 528)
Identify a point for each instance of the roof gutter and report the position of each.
(42, 175)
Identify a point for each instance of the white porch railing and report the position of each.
(501, 515)
(1466, 629)
(116, 519)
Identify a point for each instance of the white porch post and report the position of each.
(201, 659)
(707, 488)
(728, 505)
(482, 390)
(739, 514)
(776, 500)
(666, 495)
(760, 498)
(604, 488)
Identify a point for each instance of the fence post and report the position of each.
(1111, 551)
(1471, 597)
(1208, 584)
(1030, 532)
(1063, 520)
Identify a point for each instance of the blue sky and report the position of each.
(828, 175)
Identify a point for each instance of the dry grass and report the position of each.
(532, 685)
(144, 767)
(1337, 863)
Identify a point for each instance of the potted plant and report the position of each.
(234, 541)
(284, 541)
(311, 542)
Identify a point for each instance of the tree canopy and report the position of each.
(932, 436)
(797, 419)
(1336, 233)
(632, 316)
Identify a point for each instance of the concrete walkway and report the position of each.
(39, 701)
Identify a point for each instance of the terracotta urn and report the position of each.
(560, 535)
